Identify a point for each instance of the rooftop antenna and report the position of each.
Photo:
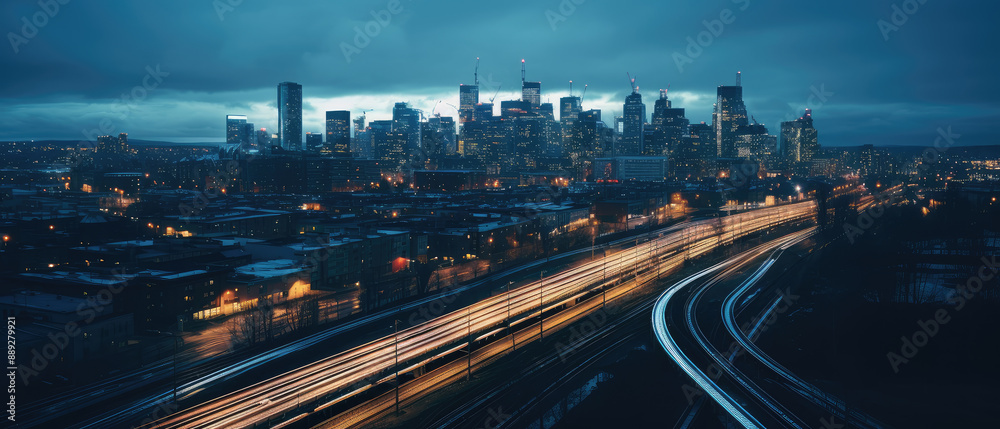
(477, 71)
(522, 72)
(739, 78)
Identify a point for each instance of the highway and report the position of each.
(738, 299)
(197, 376)
(332, 379)
(683, 320)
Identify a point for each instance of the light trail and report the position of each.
(300, 390)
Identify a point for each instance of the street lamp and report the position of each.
(175, 337)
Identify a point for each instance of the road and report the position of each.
(683, 320)
(330, 380)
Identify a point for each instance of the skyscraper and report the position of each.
(236, 129)
(530, 91)
(338, 132)
(730, 113)
(468, 97)
(799, 139)
(569, 111)
(669, 127)
(633, 126)
(406, 121)
(290, 115)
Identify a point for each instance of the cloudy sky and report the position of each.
(172, 70)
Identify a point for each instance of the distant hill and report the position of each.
(131, 142)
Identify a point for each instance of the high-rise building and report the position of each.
(338, 132)
(692, 159)
(569, 110)
(468, 98)
(532, 93)
(633, 126)
(362, 142)
(250, 134)
(754, 143)
(590, 139)
(406, 121)
(669, 128)
(263, 140)
(290, 115)
(236, 129)
(730, 113)
(799, 139)
(314, 142)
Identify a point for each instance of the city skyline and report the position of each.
(855, 107)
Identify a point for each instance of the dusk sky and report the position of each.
(937, 69)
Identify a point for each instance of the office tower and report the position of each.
(290, 115)
(730, 113)
(468, 98)
(314, 142)
(633, 125)
(447, 128)
(753, 143)
(692, 159)
(263, 140)
(236, 129)
(867, 160)
(531, 92)
(406, 127)
(799, 139)
(389, 145)
(569, 110)
(669, 126)
(249, 136)
(589, 140)
(361, 146)
(338, 132)
(112, 146)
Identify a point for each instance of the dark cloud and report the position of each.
(936, 70)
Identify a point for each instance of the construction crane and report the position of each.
(739, 78)
(477, 71)
(570, 88)
(631, 81)
(435, 112)
(584, 94)
(496, 93)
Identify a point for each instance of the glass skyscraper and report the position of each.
(338, 132)
(730, 113)
(290, 115)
